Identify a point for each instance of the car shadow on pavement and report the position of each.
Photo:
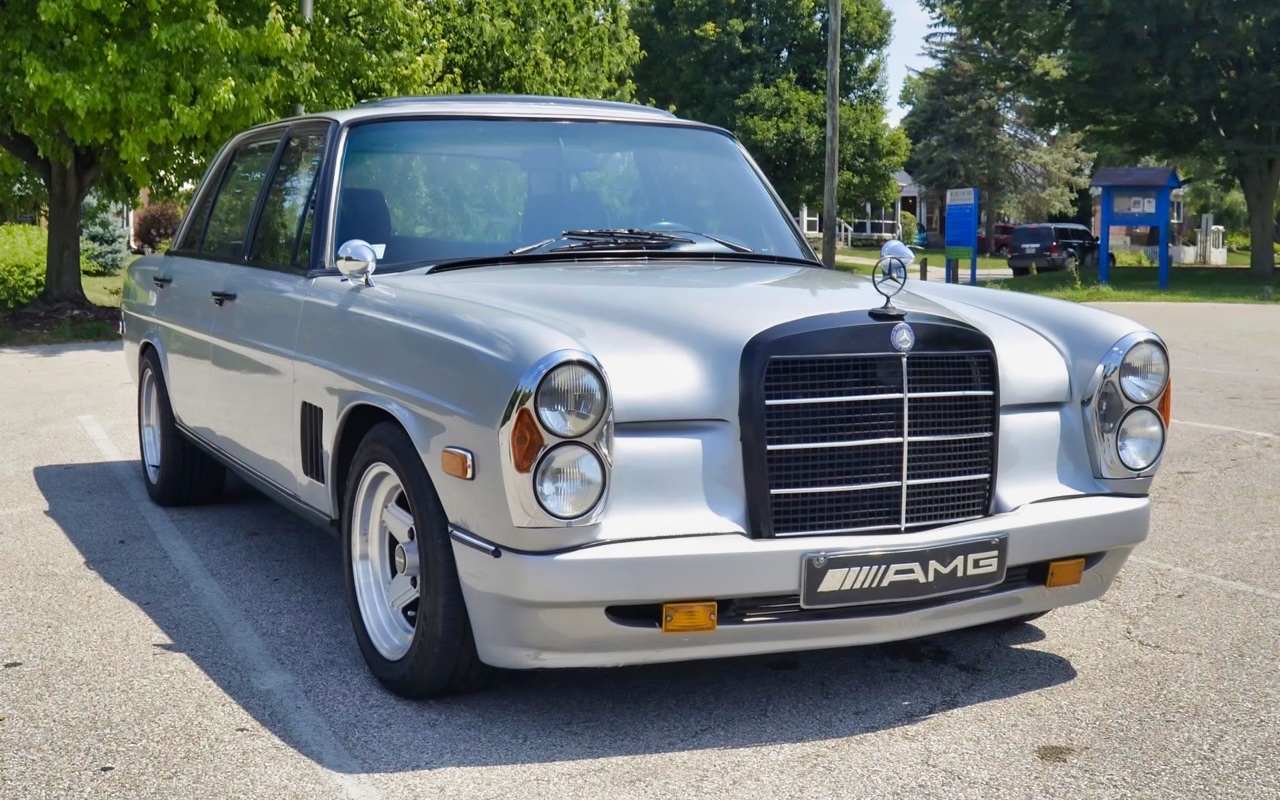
(283, 577)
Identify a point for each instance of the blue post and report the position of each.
(977, 221)
(1104, 243)
(1162, 211)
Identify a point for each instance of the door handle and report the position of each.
(161, 282)
(221, 297)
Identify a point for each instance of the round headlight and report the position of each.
(569, 481)
(570, 400)
(1140, 440)
(1144, 372)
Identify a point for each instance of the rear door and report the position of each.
(196, 268)
(255, 327)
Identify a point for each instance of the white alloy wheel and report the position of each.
(384, 561)
(149, 422)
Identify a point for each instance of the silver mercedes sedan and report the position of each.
(570, 386)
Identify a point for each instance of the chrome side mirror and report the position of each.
(895, 250)
(357, 259)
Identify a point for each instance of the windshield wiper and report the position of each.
(604, 238)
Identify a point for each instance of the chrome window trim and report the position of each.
(1103, 454)
(522, 501)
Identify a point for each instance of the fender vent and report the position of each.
(313, 442)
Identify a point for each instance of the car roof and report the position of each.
(500, 105)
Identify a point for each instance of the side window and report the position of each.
(283, 235)
(233, 206)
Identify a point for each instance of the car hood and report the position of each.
(670, 334)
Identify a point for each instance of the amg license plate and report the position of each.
(888, 576)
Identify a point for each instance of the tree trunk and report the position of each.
(67, 190)
(1259, 180)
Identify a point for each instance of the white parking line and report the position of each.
(275, 683)
(1226, 428)
(1224, 582)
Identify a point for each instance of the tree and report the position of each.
(548, 47)
(1176, 79)
(759, 69)
(92, 95)
(969, 127)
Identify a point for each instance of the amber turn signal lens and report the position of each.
(1067, 572)
(526, 441)
(458, 462)
(689, 617)
(1165, 408)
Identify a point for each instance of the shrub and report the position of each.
(1238, 240)
(155, 225)
(103, 241)
(1132, 258)
(22, 257)
(908, 222)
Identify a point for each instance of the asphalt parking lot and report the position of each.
(208, 653)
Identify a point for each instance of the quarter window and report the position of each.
(234, 203)
(283, 235)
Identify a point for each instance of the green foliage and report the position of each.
(21, 259)
(156, 223)
(908, 222)
(104, 240)
(1132, 258)
(969, 127)
(1174, 79)
(573, 49)
(759, 69)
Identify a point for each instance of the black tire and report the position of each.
(186, 475)
(441, 658)
(1020, 272)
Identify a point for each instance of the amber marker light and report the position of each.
(689, 617)
(458, 462)
(1067, 572)
(1165, 408)
(526, 441)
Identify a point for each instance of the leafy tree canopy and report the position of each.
(121, 94)
(970, 127)
(759, 69)
(1175, 79)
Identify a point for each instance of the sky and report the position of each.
(910, 24)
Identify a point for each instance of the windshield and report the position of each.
(433, 190)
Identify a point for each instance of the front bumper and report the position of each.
(538, 611)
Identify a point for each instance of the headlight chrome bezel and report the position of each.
(522, 496)
(1106, 405)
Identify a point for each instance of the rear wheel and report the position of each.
(1019, 272)
(175, 471)
(402, 584)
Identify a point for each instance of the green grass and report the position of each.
(1186, 284)
(937, 258)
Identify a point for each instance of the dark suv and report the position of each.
(1051, 247)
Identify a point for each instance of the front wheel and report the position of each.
(402, 584)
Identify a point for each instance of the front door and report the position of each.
(255, 327)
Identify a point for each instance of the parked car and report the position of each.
(573, 390)
(999, 239)
(1052, 246)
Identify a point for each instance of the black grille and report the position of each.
(849, 438)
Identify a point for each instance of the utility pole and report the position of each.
(305, 7)
(833, 135)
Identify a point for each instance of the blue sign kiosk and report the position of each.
(962, 233)
(1135, 196)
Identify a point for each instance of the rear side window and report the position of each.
(1035, 235)
(232, 206)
